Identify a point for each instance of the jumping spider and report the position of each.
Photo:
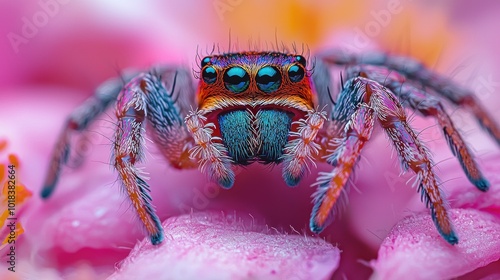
(268, 107)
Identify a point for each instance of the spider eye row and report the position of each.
(268, 78)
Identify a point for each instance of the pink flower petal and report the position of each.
(463, 196)
(218, 246)
(415, 248)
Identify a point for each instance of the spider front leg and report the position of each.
(302, 149)
(145, 98)
(212, 155)
(356, 133)
(359, 104)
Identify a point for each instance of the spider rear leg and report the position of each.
(361, 101)
(417, 72)
(427, 105)
(79, 120)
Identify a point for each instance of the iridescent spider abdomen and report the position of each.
(268, 107)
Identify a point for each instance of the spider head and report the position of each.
(258, 93)
(254, 80)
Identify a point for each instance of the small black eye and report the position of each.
(296, 73)
(236, 79)
(268, 79)
(209, 75)
(301, 60)
(205, 61)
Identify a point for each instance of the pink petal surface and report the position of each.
(217, 246)
(414, 247)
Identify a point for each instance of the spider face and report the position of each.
(253, 98)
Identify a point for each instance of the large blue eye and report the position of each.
(296, 73)
(209, 75)
(268, 79)
(236, 79)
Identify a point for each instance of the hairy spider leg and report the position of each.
(131, 111)
(146, 98)
(213, 155)
(427, 105)
(417, 72)
(413, 154)
(302, 149)
(179, 81)
(79, 120)
(165, 109)
(357, 131)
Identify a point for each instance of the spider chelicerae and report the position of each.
(269, 107)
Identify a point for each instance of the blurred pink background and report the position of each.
(82, 43)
